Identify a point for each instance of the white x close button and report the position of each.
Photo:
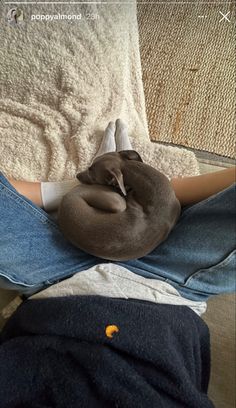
(225, 17)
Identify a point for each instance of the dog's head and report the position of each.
(107, 169)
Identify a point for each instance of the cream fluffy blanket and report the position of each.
(62, 81)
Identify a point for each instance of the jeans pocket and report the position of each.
(216, 279)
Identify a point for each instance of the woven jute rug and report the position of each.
(188, 74)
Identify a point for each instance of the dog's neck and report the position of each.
(139, 180)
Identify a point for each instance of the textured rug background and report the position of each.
(61, 82)
(188, 73)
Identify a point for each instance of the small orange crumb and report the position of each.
(111, 329)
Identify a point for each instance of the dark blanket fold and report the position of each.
(57, 352)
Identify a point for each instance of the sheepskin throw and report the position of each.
(62, 80)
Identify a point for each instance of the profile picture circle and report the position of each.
(15, 16)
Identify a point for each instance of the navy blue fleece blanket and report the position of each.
(92, 351)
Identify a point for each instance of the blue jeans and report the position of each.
(198, 257)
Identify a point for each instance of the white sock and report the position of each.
(121, 136)
(108, 143)
(53, 191)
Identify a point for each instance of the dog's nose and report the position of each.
(83, 177)
(80, 176)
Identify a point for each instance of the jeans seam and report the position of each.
(44, 218)
(187, 212)
(206, 200)
(193, 290)
(20, 283)
(45, 282)
(211, 268)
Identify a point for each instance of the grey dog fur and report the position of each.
(123, 209)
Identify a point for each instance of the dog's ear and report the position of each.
(130, 155)
(116, 178)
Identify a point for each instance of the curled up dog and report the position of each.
(122, 209)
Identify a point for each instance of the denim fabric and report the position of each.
(198, 257)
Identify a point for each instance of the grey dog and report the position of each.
(123, 209)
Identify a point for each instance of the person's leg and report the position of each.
(47, 195)
(108, 143)
(33, 252)
(198, 257)
(191, 190)
(121, 136)
(31, 190)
